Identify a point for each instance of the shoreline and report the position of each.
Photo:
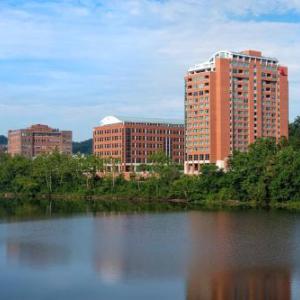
(21, 205)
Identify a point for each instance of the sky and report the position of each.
(69, 63)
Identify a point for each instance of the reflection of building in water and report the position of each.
(250, 284)
(135, 247)
(108, 256)
(36, 254)
(232, 259)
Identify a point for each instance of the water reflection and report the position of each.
(258, 283)
(108, 258)
(233, 258)
(191, 256)
(127, 247)
(35, 254)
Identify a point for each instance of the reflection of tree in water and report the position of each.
(237, 257)
(36, 254)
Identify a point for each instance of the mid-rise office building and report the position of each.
(230, 101)
(132, 141)
(39, 139)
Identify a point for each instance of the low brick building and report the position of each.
(39, 139)
(132, 141)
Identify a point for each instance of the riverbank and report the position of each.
(69, 204)
(58, 204)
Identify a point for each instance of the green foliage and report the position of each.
(294, 133)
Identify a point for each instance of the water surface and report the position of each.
(191, 255)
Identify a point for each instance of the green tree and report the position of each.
(251, 172)
(285, 183)
(294, 133)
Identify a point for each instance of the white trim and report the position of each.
(209, 65)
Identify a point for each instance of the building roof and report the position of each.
(108, 120)
(208, 65)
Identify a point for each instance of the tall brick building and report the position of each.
(39, 139)
(132, 141)
(231, 100)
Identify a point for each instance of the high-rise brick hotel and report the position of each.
(39, 139)
(133, 140)
(231, 100)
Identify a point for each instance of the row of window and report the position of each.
(238, 63)
(199, 110)
(198, 124)
(141, 130)
(197, 106)
(198, 157)
(139, 138)
(198, 149)
(108, 153)
(195, 130)
(240, 106)
(197, 142)
(108, 138)
(191, 137)
(205, 117)
(196, 100)
(198, 85)
(134, 153)
(198, 77)
(200, 93)
(111, 145)
(155, 138)
(239, 137)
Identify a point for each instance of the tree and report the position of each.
(91, 166)
(10, 167)
(251, 172)
(285, 183)
(184, 187)
(294, 133)
(164, 172)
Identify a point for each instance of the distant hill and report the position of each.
(84, 147)
(3, 140)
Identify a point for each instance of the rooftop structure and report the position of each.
(108, 120)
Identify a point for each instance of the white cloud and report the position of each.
(83, 59)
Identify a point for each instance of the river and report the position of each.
(188, 255)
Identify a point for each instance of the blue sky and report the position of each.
(68, 63)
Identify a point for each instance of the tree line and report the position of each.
(268, 172)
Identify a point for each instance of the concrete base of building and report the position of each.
(194, 167)
(221, 164)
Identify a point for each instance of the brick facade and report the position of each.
(131, 141)
(39, 139)
(230, 101)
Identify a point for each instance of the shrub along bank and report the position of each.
(267, 175)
